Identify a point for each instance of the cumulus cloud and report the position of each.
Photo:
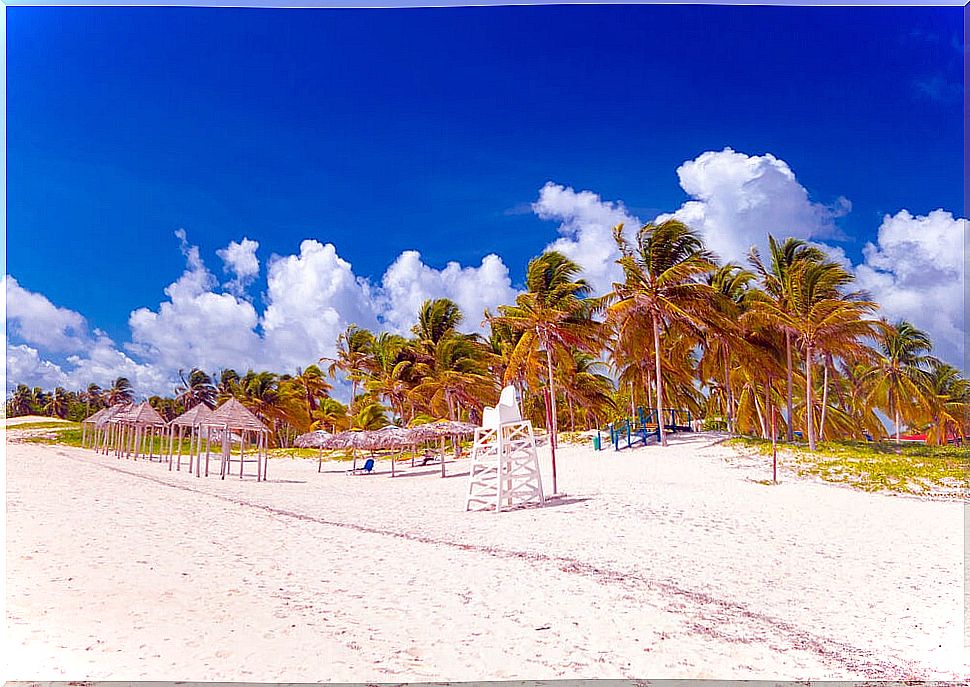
(32, 318)
(196, 327)
(738, 199)
(586, 229)
(25, 366)
(239, 260)
(408, 282)
(312, 297)
(916, 271)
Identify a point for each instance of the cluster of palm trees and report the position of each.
(784, 339)
(67, 405)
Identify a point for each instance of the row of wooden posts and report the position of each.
(125, 432)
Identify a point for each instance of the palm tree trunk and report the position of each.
(757, 409)
(896, 419)
(727, 387)
(809, 403)
(825, 396)
(788, 356)
(660, 388)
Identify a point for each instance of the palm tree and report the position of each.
(56, 405)
(456, 373)
(662, 289)
(436, 319)
(898, 380)
(554, 318)
(730, 283)
(948, 400)
(587, 389)
(261, 393)
(198, 388)
(311, 386)
(818, 314)
(228, 386)
(393, 363)
(353, 356)
(92, 396)
(331, 415)
(20, 401)
(120, 392)
(775, 282)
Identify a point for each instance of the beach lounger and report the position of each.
(367, 468)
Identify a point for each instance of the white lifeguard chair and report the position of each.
(505, 465)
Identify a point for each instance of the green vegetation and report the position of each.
(783, 346)
(68, 435)
(916, 469)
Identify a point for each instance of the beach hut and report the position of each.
(106, 428)
(229, 419)
(188, 423)
(87, 428)
(139, 427)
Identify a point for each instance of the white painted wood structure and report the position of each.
(505, 464)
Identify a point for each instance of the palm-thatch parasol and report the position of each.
(442, 429)
(351, 438)
(315, 439)
(389, 437)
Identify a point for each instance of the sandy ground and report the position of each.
(672, 563)
(27, 419)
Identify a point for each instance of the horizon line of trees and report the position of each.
(785, 339)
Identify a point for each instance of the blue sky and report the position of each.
(381, 131)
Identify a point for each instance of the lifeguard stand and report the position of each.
(505, 465)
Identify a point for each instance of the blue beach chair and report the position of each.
(367, 468)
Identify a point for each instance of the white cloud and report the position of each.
(239, 259)
(196, 327)
(738, 199)
(916, 271)
(408, 282)
(25, 366)
(586, 226)
(32, 318)
(312, 297)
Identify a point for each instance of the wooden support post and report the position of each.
(774, 448)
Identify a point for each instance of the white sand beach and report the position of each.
(657, 563)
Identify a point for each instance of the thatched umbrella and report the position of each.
(351, 438)
(388, 437)
(315, 439)
(442, 429)
(233, 416)
(191, 419)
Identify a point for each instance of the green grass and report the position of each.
(915, 469)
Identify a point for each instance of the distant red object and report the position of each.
(912, 437)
